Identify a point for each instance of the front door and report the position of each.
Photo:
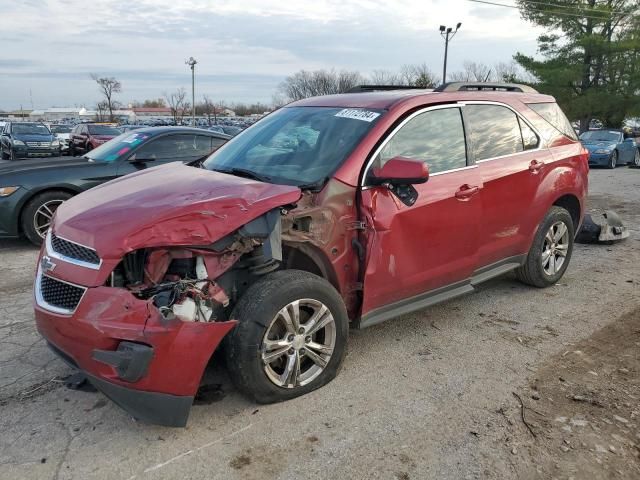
(431, 245)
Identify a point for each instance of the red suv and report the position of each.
(87, 136)
(333, 212)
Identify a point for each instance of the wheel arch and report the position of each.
(34, 193)
(571, 204)
(309, 259)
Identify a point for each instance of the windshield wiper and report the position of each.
(241, 172)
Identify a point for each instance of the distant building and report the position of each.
(151, 111)
(57, 114)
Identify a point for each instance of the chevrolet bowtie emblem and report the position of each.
(46, 264)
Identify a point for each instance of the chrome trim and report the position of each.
(52, 253)
(37, 290)
(402, 124)
(452, 170)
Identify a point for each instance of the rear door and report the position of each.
(511, 164)
(414, 250)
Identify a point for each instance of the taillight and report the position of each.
(584, 156)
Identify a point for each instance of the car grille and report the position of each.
(63, 296)
(38, 144)
(74, 251)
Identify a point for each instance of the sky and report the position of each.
(244, 48)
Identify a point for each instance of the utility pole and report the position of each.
(192, 64)
(447, 33)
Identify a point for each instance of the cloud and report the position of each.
(252, 44)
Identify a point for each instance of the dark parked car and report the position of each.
(332, 212)
(28, 139)
(31, 193)
(610, 148)
(87, 136)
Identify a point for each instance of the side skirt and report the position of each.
(442, 294)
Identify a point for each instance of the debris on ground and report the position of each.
(605, 227)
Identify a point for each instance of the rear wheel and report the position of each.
(290, 339)
(613, 159)
(551, 250)
(38, 213)
(636, 158)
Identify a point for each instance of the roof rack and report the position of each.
(380, 88)
(481, 86)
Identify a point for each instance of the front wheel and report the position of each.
(613, 159)
(38, 213)
(636, 158)
(290, 339)
(551, 250)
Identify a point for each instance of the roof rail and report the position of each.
(379, 88)
(481, 86)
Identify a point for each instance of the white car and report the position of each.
(62, 133)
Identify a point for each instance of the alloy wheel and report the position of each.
(298, 344)
(555, 248)
(43, 216)
(614, 159)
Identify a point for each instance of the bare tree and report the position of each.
(176, 103)
(208, 108)
(304, 84)
(385, 77)
(101, 111)
(418, 75)
(108, 86)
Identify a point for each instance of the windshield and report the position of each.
(601, 136)
(296, 145)
(103, 130)
(30, 129)
(60, 129)
(116, 147)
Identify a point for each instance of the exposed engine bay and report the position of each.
(178, 280)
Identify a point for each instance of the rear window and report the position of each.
(552, 113)
(495, 131)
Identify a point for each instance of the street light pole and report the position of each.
(192, 64)
(447, 33)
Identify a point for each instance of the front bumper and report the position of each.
(30, 152)
(107, 317)
(599, 159)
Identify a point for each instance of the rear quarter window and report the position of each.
(555, 117)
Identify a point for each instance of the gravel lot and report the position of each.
(429, 395)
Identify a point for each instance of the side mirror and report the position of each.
(401, 171)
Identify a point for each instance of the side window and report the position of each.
(530, 140)
(495, 131)
(216, 143)
(159, 149)
(435, 137)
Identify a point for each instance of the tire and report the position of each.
(534, 272)
(72, 150)
(259, 313)
(12, 155)
(3, 155)
(636, 159)
(613, 160)
(48, 200)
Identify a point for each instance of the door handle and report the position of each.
(465, 192)
(535, 165)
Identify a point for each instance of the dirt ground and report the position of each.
(508, 382)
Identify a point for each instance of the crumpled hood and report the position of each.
(168, 205)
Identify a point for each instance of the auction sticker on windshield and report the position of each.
(358, 114)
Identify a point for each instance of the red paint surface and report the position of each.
(107, 316)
